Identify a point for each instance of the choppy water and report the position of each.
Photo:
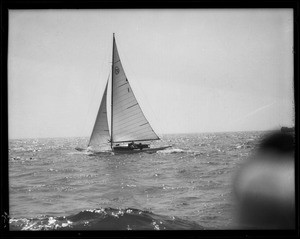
(52, 186)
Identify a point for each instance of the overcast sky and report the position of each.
(191, 70)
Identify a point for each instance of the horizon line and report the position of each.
(203, 132)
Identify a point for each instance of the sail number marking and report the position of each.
(117, 70)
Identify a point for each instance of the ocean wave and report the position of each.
(105, 219)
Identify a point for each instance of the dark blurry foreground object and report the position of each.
(265, 185)
(288, 130)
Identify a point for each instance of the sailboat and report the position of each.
(128, 123)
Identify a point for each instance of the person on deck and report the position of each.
(131, 145)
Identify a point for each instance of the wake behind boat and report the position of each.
(128, 123)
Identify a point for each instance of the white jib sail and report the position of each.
(100, 136)
(129, 122)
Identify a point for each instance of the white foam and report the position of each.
(170, 151)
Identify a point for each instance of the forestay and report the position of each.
(100, 136)
(128, 120)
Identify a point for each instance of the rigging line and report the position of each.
(254, 112)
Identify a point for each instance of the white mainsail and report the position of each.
(128, 120)
(100, 136)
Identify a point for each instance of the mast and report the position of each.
(112, 89)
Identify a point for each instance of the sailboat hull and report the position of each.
(134, 151)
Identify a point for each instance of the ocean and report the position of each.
(188, 186)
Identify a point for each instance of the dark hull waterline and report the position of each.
(134, 151)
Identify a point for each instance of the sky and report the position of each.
(191, 71)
